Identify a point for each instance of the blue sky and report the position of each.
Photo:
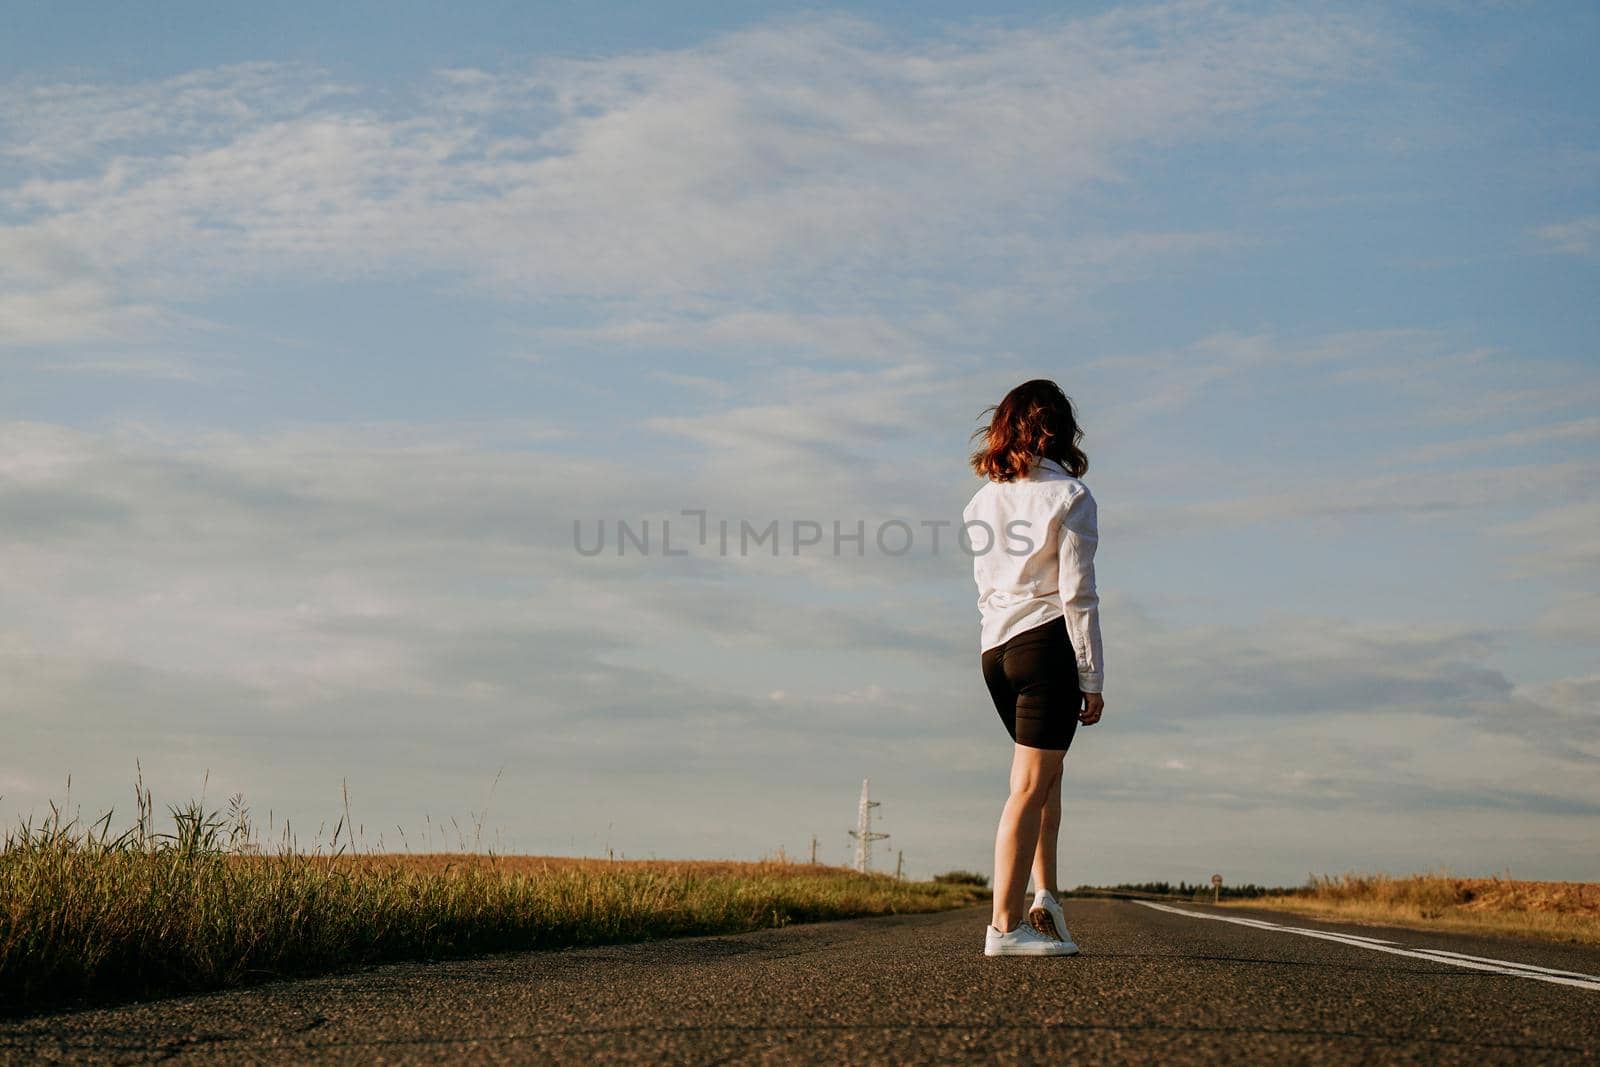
(319, 330)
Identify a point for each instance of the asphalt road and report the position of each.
(1168, 987)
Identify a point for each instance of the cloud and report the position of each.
(1557, 543)
(296, 606)
(845, 232)
(1255, 499)
(820, 155)
(1568, 535)
(1583, 429)
(1574, 237)
(51, 294)
(1219, 360)
(50, 126)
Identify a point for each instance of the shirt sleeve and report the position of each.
(1080, 536)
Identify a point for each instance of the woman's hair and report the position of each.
(1034, 420)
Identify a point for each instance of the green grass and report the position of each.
(87, 917)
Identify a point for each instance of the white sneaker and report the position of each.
(1047, 917)
(1023, 941)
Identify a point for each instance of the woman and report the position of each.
(1033, 531)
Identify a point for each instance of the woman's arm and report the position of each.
(1080, 536)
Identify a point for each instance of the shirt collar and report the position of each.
(1046, 463)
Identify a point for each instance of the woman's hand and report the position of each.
(1093, 705)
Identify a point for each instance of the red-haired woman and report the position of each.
(1033, 533)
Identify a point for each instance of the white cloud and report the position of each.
(816, 155)
(1582, 429)
(1258, 498)
(1574, 237)
(1558, 543)
(293, 607)
(1560, 538)
(51, 293)
(48, 126)
(845, 216)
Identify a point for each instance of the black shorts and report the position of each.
(1033, 678)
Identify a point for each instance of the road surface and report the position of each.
(1153, 985)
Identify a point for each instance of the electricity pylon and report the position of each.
(863, 833)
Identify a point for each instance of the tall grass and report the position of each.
(1561, 911)
(88, 915)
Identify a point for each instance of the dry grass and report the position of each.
(438, 862)
(87, 916)
(1556, 911)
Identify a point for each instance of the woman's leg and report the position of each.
(1033, 774)
(1044, 856)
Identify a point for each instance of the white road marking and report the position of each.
(1523, 966)
(1377, 944)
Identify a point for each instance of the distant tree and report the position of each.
(962, 878)
(1185, 890)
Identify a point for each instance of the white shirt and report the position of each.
(1033, 543)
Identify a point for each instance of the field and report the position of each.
(85, 916)
(1559, 911)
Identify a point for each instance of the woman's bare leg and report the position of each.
(1044, 856)
(1033, 774)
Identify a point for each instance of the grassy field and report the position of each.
(86, 916)
(1558, 911)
